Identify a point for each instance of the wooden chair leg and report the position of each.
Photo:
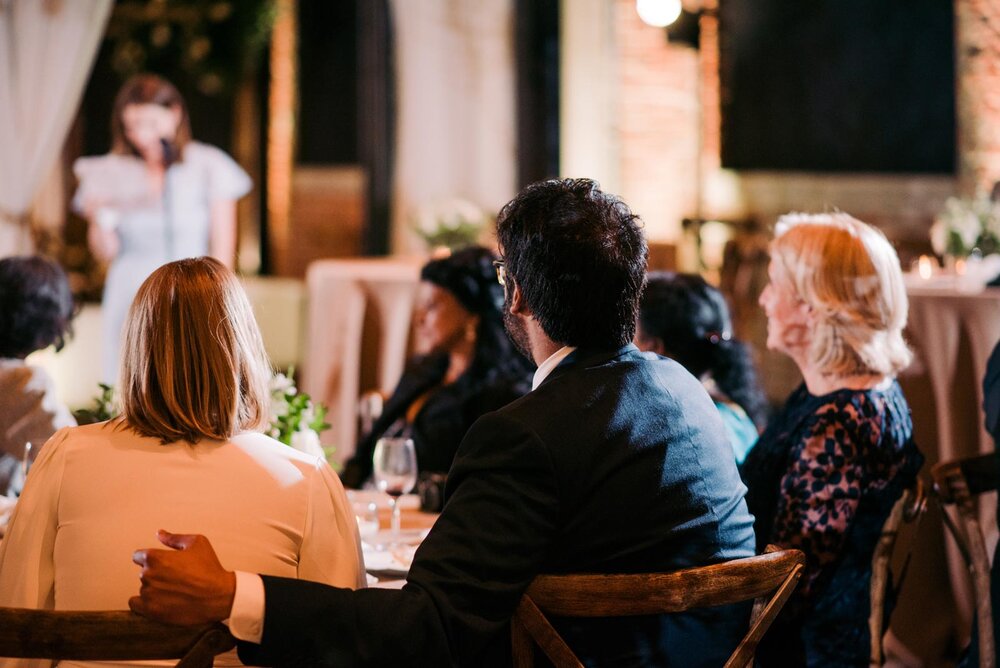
(203, 654)
(548, 639)
(522, 646)
(745, 651)
(880, 582)
(980, 568)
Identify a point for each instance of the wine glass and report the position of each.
(368, 524)
(26, 459)
(395, 464)
(17, 480)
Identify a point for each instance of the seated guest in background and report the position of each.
(37, 309)
(684, 318)
(616, 461)
(186, 452)
(826, 472)
(466, 366)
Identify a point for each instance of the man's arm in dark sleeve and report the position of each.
(465, 581)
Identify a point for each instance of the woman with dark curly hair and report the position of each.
(38, 309)
(686, 319)
(465, 366)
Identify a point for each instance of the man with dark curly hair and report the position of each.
(37, 309)
(616, 461)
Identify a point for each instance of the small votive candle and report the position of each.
(960, 266)
(924, 267)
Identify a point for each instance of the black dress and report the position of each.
(442, 421)
(823, 479)
(991, 408)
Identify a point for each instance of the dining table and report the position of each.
(388, 555)
(953, 327)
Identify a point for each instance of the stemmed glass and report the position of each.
(368, 524)
(26, 460)
(395, 463)
(17, 480)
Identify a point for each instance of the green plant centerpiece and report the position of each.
(296, 420)
(104, 407)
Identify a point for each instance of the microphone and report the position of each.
(169, 152)
(169, 157)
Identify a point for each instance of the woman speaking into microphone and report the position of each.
(157, 196)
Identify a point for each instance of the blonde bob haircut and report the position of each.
(193, 362)
(846, 272)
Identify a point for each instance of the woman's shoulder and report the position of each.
(109, 164)
(422, 373)
(66, 442)
(222, 175)
(207, 156)
(196, 150)
(28, 388)
(18, 372)
(876, 418)
(110, 432)
(863, 404)
(432, 365)
(263, 447)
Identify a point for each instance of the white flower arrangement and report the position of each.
(452, 223)
(295, 420)
(966, 226)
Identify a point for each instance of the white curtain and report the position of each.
(46, 50)
(455, 110)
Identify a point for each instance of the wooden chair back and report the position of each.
(908, 509)
(107, 636)
(767, 579)
(956, 482)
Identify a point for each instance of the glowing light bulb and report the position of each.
(658, 13)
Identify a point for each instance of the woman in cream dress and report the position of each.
(186, 456)
(158, 196)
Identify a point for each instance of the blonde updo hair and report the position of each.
(849, 275)
(193, 362)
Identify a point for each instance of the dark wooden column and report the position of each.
(536, 47)
(376, 117)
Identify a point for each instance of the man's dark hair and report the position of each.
(578, 256)
(36, 303)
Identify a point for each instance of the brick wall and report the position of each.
(902, 205)
(977, 27)
(658, 117)
(663, 139)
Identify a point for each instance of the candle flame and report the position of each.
(924, 267)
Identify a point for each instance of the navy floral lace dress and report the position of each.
(823, 479)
